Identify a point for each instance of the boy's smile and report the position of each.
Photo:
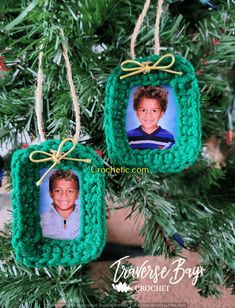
(149, 113)
(64, 194)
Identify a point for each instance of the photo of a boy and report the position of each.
(62, 220)
(150, 104)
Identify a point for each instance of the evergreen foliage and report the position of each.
(73, 286)
(199, 203)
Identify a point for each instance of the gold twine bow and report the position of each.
(145, 67)
(56, 157)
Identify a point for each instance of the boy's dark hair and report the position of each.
(67, 175)
(151, 92)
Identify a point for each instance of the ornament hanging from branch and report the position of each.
(152, 116)
(58, 203)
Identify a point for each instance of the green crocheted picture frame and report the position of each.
(31, 248)
(188, 142)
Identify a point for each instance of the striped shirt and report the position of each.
(159, 139)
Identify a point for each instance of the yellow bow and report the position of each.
(56, 157)
(145, 67)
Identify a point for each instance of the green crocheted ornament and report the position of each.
(188, 122)
(30, 246)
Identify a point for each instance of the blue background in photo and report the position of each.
(45, 199)
(168, 121)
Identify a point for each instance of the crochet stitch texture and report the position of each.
(188, 142)
(30, 247)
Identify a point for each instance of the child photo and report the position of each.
(151, 117)
(59, 205)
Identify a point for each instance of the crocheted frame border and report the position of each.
(30, 247)
(188, 142)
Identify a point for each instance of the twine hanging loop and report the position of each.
(139, 24)
(38, 92)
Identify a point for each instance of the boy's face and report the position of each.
(149, 113)
(64, 194)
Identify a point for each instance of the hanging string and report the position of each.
(72, 89)
(137, 27)
(38, 102)
(157, 26)
(139, 24)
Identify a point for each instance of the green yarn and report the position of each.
(188, 142)
(30, 247)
